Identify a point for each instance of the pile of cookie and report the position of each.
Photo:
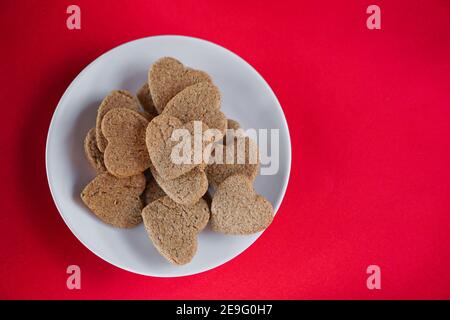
(137, 180)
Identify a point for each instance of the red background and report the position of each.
(368, 112)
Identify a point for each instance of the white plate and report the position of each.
(246, 98)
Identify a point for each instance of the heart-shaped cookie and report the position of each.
(186, 189)
(115, 99)
(237, 209)
(173, 228)
(238, 156)
(200, 102)
(116, 201)
(161, 144)
(168, 76)
(145, 98)
(126, 153)
(93, 154)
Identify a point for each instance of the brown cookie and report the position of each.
(93, 154)
(168, 76)
(115, 99)
(173, 228)
(152, 191)
(200, 102)
(126, 154)
(160, 146)
(237, 209)
(240, 156)
(116, 201)
(186, 189)
(233, 124)
(145, 98)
